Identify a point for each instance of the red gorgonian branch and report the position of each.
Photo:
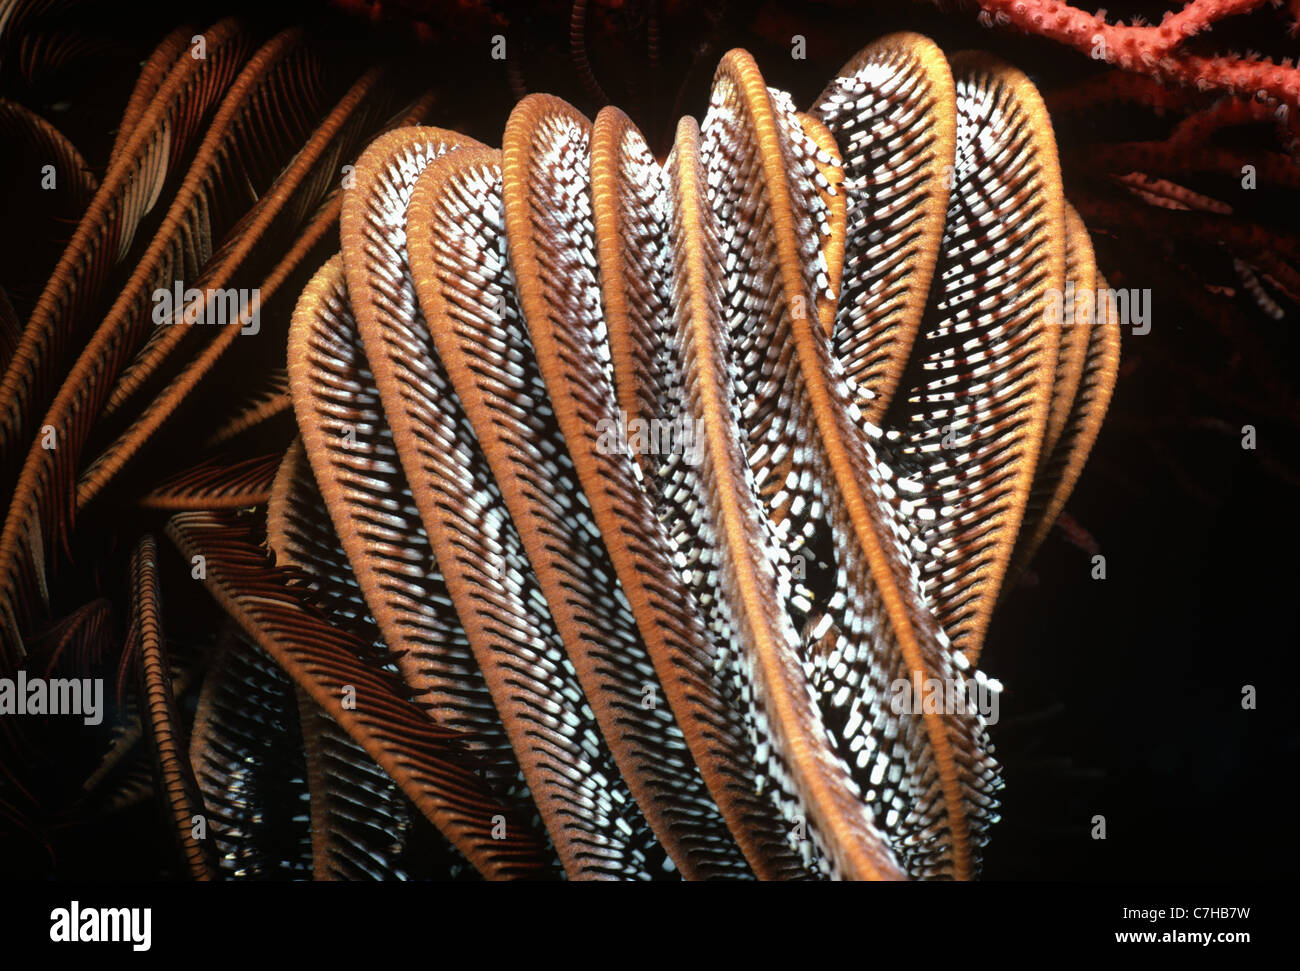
(1156, 50)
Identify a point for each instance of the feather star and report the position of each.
(625, 494)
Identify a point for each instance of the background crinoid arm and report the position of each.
(229, 163)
